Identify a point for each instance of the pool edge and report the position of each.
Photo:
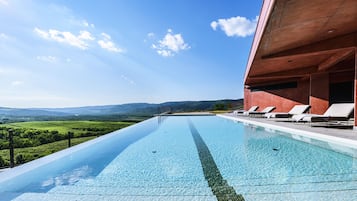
(9, 173)
(347, 143)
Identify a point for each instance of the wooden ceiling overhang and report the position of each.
(297, 38)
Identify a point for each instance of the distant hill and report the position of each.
(110, 111)
(29, 112)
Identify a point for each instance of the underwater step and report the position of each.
(299, 188)
(130, 191)
(236, 181)
(143, 183)
(205, 191)
(347, 195)
(70, 197)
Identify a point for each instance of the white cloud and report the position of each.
(17, 83)
(4, 2)
(170, 44)
(236, 26)
(42, 33)
(85, 35)
(34, 99)
(4, 36)
(106, 36)
(108, 44)
(127, 79)
(12, 71)
(151, 35)
(214, 25)
(50, 59)
(80, 41)
(86, 24)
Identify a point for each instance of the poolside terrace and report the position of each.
(341, 134)
(210, 156)
(304, 52)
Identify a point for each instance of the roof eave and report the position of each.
(266, 10)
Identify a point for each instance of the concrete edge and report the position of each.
(352, 144)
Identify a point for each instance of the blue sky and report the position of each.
(66, 53)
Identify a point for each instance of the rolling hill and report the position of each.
(131, 109)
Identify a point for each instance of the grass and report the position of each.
(82, 131)
(77, 127)
(220, 111)
(31, 153)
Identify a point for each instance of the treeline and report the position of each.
(121, 118)
(23, 155)
(33, 140)
(19, 159)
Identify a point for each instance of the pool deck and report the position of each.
(188, 114)
(5, 169)
(344, 136)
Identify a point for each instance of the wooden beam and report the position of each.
(258, 83)
(300, 72)
(334, 59)
(276, 77)
(345, 42)
(355, 92)
(286, 75)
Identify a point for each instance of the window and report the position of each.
(286, 85)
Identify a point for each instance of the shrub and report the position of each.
(2, 162)
(219, 106)
(19, 159)
(56, 135)
(4, 144)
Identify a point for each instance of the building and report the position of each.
(304, 52)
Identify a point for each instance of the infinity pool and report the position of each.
(186, 158)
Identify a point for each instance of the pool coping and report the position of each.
(189, 114)
(9, 173)
(348, 143)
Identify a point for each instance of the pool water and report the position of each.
(187, 158)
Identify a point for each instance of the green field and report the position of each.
(77, 127)
(36, 139)
(31, 153)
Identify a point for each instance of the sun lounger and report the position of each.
(336, 112)
(260, 113)
(253, 108)
(297, 109)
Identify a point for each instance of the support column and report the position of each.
(247, 101)
(319, 93)
(355, 92)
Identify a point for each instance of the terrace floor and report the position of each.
(341, 133)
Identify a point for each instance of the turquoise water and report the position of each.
(188, 158)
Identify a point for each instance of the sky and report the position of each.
(65, 53)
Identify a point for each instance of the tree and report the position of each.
(56, 136)
(219, 106)
(19, 159)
